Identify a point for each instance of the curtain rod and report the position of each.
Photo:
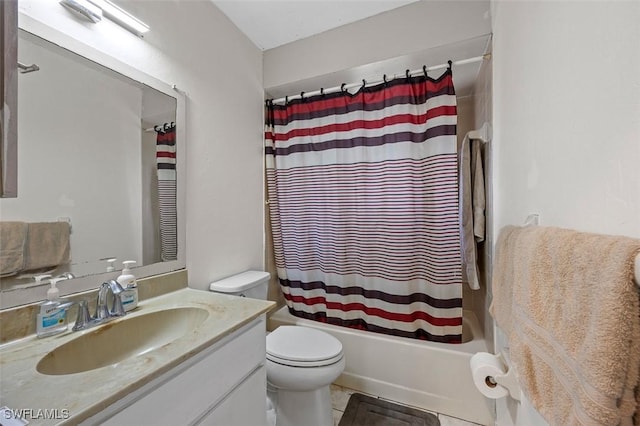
(160, 127)
(422, 70)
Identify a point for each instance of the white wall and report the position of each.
(403, 31)
(193, 45)
(567, 116)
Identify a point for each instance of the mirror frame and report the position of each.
(20, 296)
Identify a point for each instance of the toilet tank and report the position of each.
(252, 284)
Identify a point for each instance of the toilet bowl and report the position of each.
(301, 362)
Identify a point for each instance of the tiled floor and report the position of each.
(340, 397)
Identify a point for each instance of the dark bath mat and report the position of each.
(364, 410)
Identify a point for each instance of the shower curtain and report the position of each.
(166, 161)
(363, 199)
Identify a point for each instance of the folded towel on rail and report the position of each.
(13, 237)
(570, 309)
(48, 244)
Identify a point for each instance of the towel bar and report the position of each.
(534, 219)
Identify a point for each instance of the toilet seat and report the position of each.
(298, 346)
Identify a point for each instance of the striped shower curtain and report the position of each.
(166, 160)
(363, 200)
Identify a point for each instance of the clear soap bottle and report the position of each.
(128, 282)
(52, 318)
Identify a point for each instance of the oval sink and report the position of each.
(120, 340)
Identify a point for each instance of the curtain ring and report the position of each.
(384, 78)
(342, 87)
(286, 100)
(322, 91)
(407, 73)
(302, 96)
(364, 82)
(450, 63)
(424, 70)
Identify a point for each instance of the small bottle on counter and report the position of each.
(52, 318)
(128, 282)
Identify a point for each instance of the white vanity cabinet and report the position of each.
(224, 385)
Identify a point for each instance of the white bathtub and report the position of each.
(429, 375)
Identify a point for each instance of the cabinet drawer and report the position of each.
(245, 406)
(185, 393)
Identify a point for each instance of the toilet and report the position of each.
(301, 362)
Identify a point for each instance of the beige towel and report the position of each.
(570, 309)
(47, 245)
(13, 237)
(479, 201)
(471, 206)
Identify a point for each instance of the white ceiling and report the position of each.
(272, 23)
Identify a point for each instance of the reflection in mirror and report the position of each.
(87, 156)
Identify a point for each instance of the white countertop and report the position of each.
(82, 395)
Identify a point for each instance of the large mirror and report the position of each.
(87, 156)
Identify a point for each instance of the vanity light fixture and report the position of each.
(121, 17)
(93, 11)
(84, 8)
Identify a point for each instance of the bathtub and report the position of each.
(429, 375)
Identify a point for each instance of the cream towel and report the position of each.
(13, 237)
(471, 207)
(47, 245)
(570, 309)
(479, 202)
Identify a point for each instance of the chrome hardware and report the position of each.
(103, 314)
(83, 318)
(65, 276)
(27, 68)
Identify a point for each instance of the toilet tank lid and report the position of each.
(240, 282)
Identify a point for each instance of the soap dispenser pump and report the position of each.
(110, 261)
(52, 318)
(128, 282)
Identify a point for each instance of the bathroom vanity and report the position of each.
(185, 357)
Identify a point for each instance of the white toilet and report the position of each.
(301, 362)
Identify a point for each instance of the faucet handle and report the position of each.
(117, 308)
(83, 318)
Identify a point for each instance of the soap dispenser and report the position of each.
(52, 318)
(110, 261)
(128, 282)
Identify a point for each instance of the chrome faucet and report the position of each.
(84, 320)
(117, 310)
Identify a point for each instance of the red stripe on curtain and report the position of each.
(371, 95)
(392, 316)
(362, 124)
(166, 168)
(363, 198)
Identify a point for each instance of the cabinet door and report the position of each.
(245, 406)
(183, 395)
